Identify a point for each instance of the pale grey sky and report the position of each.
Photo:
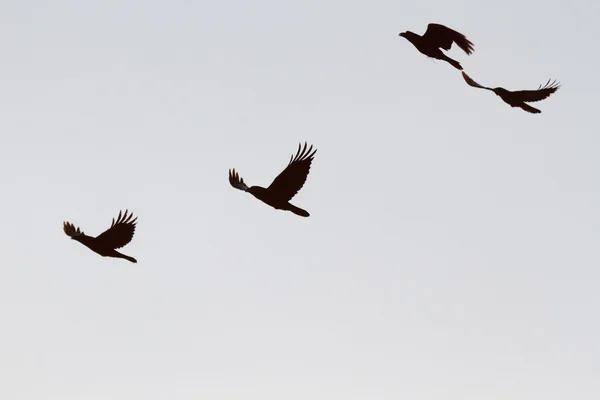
(452, 247)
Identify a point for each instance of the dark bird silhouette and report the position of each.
(519, 98)
(118, 235)
(285, 186)
(439, 36)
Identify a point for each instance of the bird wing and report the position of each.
(443, 37)
(71, 230)
(541, 93)
(120, 232)
(236, 181)
(292, 178)
(471, 82)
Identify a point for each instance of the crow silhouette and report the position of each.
(118, 235)
(285, 186)
(519, 98)
(439, 36)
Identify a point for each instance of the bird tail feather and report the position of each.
(454, 63)
(530, 109)
(298, 211)
(121, 255)
(131, 259)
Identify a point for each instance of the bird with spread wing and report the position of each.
(118, 235)
(285, 186)
(438, 37)
(521, 97)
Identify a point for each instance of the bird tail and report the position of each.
(130, 259)
(454, 63)
(529, 109)
(121, 255)
(298, 211)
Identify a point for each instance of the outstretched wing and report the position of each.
(471, 82)
(236, 181)
(541, 93)
(443, 37)
(120, 232)
(293, 177)
(71, 231)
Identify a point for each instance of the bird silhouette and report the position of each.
(519, 98)
(285, 186)
(439, 36)
(118, 235)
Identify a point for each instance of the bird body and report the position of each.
(118, 235)
(285, 186)
(98, 247)
(275, 201)
(438, 37)
(521, 97)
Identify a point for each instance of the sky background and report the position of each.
(452, 248)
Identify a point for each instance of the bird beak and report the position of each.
(401, 34)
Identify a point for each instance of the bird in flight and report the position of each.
(521, 97)
(439, 36)
(118, 235)
(285, 186)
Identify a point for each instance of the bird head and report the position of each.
(408, 35)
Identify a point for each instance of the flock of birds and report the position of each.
(438, 37)
(289, 182)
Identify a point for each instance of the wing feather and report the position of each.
(236, 181)
(71, 231)
(289, 182)
(471, 82)
(442, 36)
(540, 93)
(121, 231)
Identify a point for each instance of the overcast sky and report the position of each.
(452, 248)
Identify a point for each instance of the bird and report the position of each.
(285, 186)
(521, 97)
(439, 36)
(118, 235)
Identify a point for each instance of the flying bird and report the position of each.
(118, 235)
(285, 186)
(439, 36)
(519, 98)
